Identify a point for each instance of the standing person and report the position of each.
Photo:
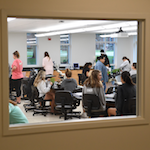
(17, 75)
(125, 91)
(106, 63)
(100, 66)
(125, 66)
(47, 63)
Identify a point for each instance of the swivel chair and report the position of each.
(66, 103)
(91, 105)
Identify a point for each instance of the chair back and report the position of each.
(129, 106)
(63, 98)
(35, 92)
(91, 102)
(134, 78)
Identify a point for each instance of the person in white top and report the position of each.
(43, 87)
(47, 63)
(125, 66)
(133, 71)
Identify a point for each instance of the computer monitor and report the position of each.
(76, 65)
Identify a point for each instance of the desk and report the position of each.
(110, 102)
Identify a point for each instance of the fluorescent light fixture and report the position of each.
(109, 30)
(132, 28)
(61, 36)
(132, 33)
(60, 32)
(10, 19)
(116, 35)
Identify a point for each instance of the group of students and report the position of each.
(95, 82)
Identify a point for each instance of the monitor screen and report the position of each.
(76, 65)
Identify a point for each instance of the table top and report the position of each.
(109, 97)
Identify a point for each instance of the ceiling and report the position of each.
(53, 25)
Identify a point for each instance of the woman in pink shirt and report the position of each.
(47, 64)
(17, 75)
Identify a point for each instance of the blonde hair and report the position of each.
(40, 76)
(93, 81)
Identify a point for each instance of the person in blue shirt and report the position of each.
(100, 66)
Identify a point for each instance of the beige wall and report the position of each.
(111, 134)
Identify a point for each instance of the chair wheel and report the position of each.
(59, 117)
(33, 114)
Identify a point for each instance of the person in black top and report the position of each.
(125, 91)
(106, 63)
(86, 69)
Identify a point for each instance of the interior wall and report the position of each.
(17, 41)
(82, 48)
(124, 48)
(52, 47)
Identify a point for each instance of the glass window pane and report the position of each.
(98, 38)
(64, 39)
(31, 54)
(109, 39)
(110, 51)
(99, 46)
(31, 38)
(64, 49)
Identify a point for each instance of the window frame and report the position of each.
(66, 44)
(31, 65)
(105, 42)
(141, 119)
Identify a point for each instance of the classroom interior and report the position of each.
(68, 42)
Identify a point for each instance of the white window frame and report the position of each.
(105, 42)
(69, 45)
(32, 65)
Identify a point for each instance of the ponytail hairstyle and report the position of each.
(40, 76)
(46, 54)
(127, 78)
(126, 58)
(16, 53)
(93, 80)
(68, 73)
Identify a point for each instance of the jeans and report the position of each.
(104, 84)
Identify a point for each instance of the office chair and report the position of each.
(79, 79)
(66, 103)
(129, 106)
(91, 104)
(42, 109)
(133, 77)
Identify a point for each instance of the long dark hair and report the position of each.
(127, 78)
(126, 58)
(93, 81)
(87, 65)
(46, 54)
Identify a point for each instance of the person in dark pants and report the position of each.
(17, 75)
(106, 63)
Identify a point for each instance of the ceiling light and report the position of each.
(132, 33)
